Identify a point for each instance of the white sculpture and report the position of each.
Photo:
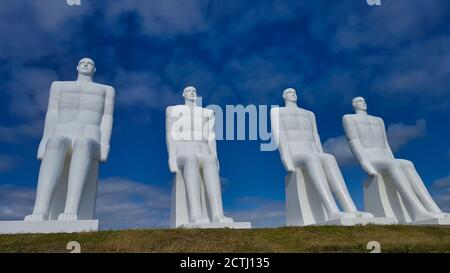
(313, 175)
(394, 188)
(76, 137)
(191, 144)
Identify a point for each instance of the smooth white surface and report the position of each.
(15, 227)
(191, 144)
(397, 189)
(314, 176)
(76, 137)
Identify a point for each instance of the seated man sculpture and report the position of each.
(405, 195)
(76, 137)
(295, 132)
(191, 145)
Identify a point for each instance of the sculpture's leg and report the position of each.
(191, 175)
(400, 181)
(315, 170)
(213, 189)
(86, 152)
(419, 187)
(337, 183)
(49, 174)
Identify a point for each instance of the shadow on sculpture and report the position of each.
(394, 188)
(314, 177)
(76, 138)
(191, 145)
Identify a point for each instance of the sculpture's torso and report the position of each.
(297, 126)
(80, 109)
(192, 129)
(371, 133)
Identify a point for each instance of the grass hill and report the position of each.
(298, 239)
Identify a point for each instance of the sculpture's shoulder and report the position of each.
(177, 108)
(108, 88)
(375, 119)
(59, 84)
(307, 113)
(348, 117)
(208, 112)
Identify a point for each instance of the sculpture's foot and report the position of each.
(222, 219)
(341, 215)
(68, 217)
(441, 215)
(35, 217)
(425, 216)
(363, 214)
(200, 220)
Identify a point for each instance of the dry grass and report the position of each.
(308, 239)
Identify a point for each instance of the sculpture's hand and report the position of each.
(41, 150)
(173, 165)
(104, 152)
(369, 169)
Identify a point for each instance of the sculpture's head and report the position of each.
(190, 93)
(359, 103)
(86, 66)
(290, 95)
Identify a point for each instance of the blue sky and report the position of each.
(396, 55)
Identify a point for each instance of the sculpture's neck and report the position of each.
(190, 103)
(361, 112)
(291, 104)
(84, 78)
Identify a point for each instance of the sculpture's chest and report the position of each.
(297, 119)
(76, 96)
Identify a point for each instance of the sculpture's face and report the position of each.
(359, 103)
(290, 95)
(190, 93)
(86, 67)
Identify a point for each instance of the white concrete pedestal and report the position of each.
(179, 213)
(304, 207)
(382, 199)
(15, 227)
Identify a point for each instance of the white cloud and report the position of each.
(259, 211)
(31, 130)
(443, 197)
(399, 135)
(15, 202)
(124, 204)
(121, 203)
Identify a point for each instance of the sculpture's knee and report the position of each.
(87, 144)
(329, 158)
(58, 143)
(210, 160)
(406, 163)
(312, 160)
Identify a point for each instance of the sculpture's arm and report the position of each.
(212, 137)
(356, 146)
(170, 141)
(107, 123)
(316, 133)
(386, 143)
(50, 119)
(280, 140)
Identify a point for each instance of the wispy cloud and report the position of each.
(442, 197)
(8, 162)
(260, 212)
